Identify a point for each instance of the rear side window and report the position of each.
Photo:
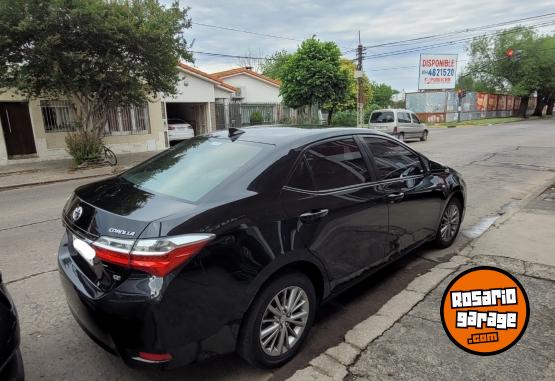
(382, 117)
(330, 165)
(392, 160)
(403, 117)
(193, 168)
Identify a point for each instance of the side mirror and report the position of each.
(435, 167)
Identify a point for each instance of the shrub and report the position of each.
(256, 117)
(345, 118)
(84, 146)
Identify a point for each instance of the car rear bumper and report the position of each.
(131, 318)
(176, 135)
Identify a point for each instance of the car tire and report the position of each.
(250, 346)
(449, 224)
(424, 136)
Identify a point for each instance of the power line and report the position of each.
(230, 55)
(247, 31)
(449, 43)
(413, 40)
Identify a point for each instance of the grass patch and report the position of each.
(479, 122)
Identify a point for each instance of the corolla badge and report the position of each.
(77, 212)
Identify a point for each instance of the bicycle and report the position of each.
(109, 156)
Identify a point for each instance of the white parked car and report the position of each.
(401, 123)
(178, 129)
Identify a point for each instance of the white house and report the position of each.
(252, 87)
(198, 100)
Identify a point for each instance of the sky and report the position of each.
(379, 22)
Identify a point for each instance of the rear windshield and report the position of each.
(194, 167)
(382, 117)
(176, 121)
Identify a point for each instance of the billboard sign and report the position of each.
(437, 71)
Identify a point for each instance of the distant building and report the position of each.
(252, 87)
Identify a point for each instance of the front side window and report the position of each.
(330, 165)
(392, 160)
(403, 117)
(193, 168)
(382, 117)
(415, 119)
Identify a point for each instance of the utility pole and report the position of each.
(360, 90)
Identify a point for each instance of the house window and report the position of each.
(128, 120)
(58, 116)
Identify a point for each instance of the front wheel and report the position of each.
(110, 156)
(278, 321)
(424, 136)
(450, 224)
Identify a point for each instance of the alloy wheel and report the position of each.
(449, 223)
(284, 321)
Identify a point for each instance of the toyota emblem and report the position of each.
(76, 214)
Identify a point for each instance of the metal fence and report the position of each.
(246, 114)
(59, 116)
(442, 106)
(128, 120)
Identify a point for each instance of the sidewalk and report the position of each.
(405, 339)
(51, 171)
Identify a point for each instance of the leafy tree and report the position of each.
(98, 54)
(382, 94)
(273, 66)
(350, 102)
(313, 76)
(532, 72)
(469, 83)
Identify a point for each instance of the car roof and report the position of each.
(286, 136)
(393, 109)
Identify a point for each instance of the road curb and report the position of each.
(27, 185)
(334, 362)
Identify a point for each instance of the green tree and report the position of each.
(382, 94)
(350, 102)
(313, 76)
(273, 66)
(521, 77)
(98, 54)
(469, 83)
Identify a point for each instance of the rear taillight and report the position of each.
(171, 128)
(395, 130)
(157, 256)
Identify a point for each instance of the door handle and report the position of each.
(312, 216)
(8, 118)
(395, 197)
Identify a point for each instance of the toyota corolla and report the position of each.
(230, 241)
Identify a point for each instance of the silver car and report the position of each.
(401, 123)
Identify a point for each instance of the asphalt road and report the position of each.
(501, 164)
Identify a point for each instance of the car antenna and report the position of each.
(234, 131)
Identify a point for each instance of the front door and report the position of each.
(414, 198)
(16, 125)
(337, 212)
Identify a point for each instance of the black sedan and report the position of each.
(229, 241)
(11, 364)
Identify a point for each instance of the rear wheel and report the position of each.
(278, 321)
(401, 137)
(450, 224)
(424, 136)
